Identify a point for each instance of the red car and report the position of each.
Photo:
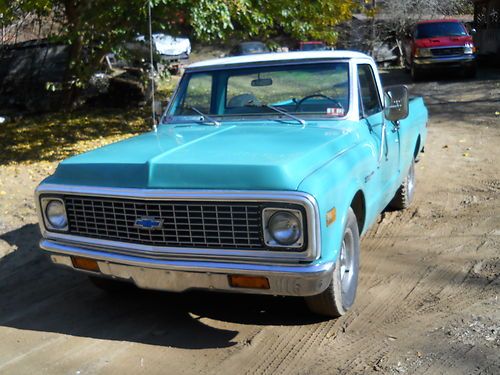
(439, 44)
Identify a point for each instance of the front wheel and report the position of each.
(416, 73)
(339, 296)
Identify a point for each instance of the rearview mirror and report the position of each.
(396, 103)
(262, 82)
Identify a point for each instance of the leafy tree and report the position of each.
(94, 27)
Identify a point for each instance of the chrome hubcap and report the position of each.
(411, 180)
(347, 268)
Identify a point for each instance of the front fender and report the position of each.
(334, 186)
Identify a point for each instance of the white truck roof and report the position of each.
(279, 56)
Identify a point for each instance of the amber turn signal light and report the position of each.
(85, 264)
(252, 282)
(331, 216)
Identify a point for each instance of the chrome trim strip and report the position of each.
(172, 275)
(186, 265)
(447, 47)
(311, 253)
(444, 59)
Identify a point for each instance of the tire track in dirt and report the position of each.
(403, 302)
(270, 344)
(285, 356)
(326, 331)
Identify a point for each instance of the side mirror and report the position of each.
(396, 103)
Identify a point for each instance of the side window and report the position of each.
(198, 95)
(369, 98)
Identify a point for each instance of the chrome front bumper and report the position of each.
(444, 60)
(183, 275)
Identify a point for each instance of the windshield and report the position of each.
(320, 89)
(435, 29)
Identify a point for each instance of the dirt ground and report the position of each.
(428, 298)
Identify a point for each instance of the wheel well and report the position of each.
(417, 148)
(359, 208)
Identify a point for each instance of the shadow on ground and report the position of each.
(400, 76)
(446, 99)
(39, 296)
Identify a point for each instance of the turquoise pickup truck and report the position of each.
(261, 176)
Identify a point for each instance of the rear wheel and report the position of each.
(404, 196)
(339, 296)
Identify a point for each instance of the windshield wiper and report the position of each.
(206, 117)
(283, 112)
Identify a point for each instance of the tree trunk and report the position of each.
(73, 15)
(399, 44)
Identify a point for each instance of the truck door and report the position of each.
(384, 138)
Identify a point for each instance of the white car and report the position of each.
(169, 46)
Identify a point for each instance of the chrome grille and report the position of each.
(447, 51)
(195, 224)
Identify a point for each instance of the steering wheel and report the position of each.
(299, 103)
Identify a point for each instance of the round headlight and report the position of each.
(56, 215)
(284, 228)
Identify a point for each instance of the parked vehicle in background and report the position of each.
(261, 177)
(439, 44)
(169, 50)
(312, 46)
(249, 48)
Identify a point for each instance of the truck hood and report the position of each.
(263, 156)
(443, 41)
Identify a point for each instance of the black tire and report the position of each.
(416, 74)
(109, 285)
(404, 195)
(340, 294)
(470, 72)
